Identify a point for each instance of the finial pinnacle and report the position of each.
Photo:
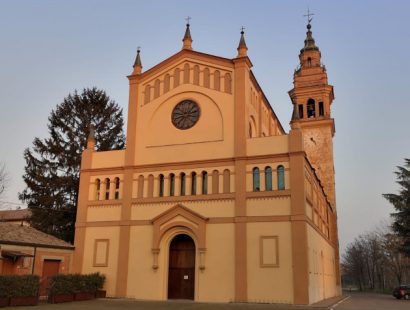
(309, 17)
(309, 41)
(137, 63)
(187, 37)
(242, 48)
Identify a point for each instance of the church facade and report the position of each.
(212, 200)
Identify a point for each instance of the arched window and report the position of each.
(167, 79)
(97, 189)
(186, 73)
(150, 186)
(281, 177)
(268, 178)
(215, 182)
(140, 193)
(117, 188)
(107, 189)
(196, 75)
(193, 183)
(161, 185)
(321, 109)
(300, 107)
(172, 184)
(204, 183)
(311, 108)
(309, 62)
(255, 174)
(183, 181)
(157, 85)
(228, 83)
(176, 77)
(227, 181)
(206, 77)
(147, 94)
(217, 80)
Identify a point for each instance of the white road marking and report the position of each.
(344, 299)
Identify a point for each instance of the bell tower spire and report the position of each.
(312, 97)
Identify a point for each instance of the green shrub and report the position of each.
(76, 283)
(19, 286)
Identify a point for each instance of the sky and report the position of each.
(48, 49)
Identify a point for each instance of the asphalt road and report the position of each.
(368, 301)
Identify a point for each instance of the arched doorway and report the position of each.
(181, 270)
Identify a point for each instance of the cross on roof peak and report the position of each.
(308, 15)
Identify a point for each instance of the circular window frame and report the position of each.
(185, 114)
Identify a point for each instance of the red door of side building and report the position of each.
(50, 268)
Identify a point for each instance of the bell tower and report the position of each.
(312, 97)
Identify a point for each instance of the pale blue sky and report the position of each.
(50, 48)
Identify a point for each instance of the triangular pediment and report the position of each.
(185, 55)
(179, 211)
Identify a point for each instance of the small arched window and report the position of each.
(217, 80)
(281, 177)
(321, 109)
(172, 184)
(215, 182)
(140, 192)
(193, 183)
(117, 188)
(183, 181)
(97, 189)
(176, 77)
(147, 94)
(157, 86)
(196, 75)
(186, 73)
(150, 186)
(161, 185)
(206, 77)
(268, 178)
(311, 110)
(107, 189)
(227, 181)
(309, 62)
(255, 175)
(204, 183)
(228, 83)
(167, 80)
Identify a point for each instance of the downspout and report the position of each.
(34, 260)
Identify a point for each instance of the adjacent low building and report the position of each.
(25, 250)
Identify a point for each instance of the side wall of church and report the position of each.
(322, 268)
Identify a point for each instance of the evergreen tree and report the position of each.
(52, 170)
(401, 203)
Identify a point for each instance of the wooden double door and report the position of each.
(181, 273)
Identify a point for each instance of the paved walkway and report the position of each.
(124, 304)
